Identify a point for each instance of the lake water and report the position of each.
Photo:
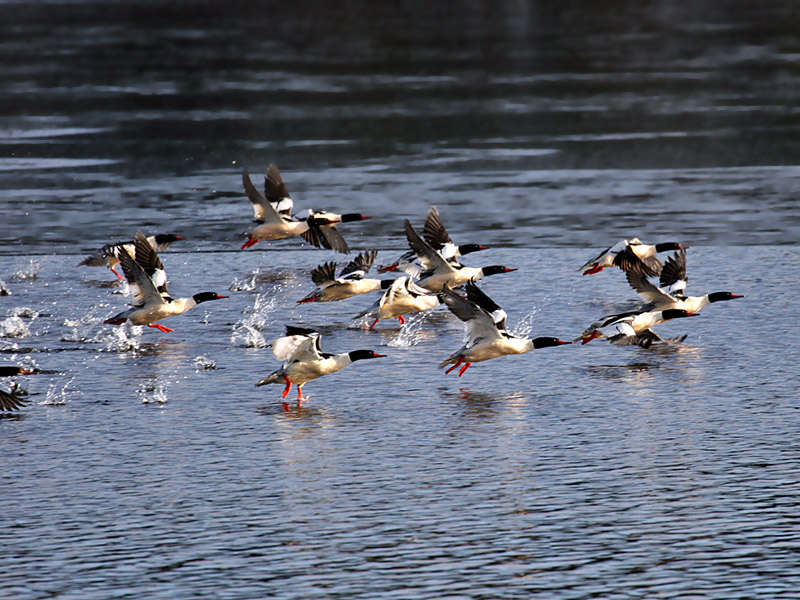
(148, 465)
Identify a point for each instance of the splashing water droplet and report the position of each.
(203, 363)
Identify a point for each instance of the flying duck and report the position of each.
(485, 333)
(629, 254)
(438, 272)
(671, 291)
(273, 215)
(351, 281)
(148, 282)
(633, 328)
(403, 297)
(304, 360)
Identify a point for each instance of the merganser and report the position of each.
(351, 281)
(672, 290)
(485, 333)
(152, 301)
(632, 328)
(629, 254)
(438, 272)
(10, 400)
(436, 235)
(108, 255)
(403, 297)
(305, 361)
(273, 213)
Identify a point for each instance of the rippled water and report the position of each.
(148, 465)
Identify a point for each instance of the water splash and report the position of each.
(153, 392)
(59, 392)
(409, 333)
(81, 328)
(244, 284)
(525, 324)
(29, 273)
(203, 363)
(14, 327)
(123, 338)
(247, 331)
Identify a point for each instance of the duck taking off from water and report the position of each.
(273, 215)
(633, 328)
(630, 254)
(351, 281)
(485, 333)
(671, 291)
(11, 399)
(304, 360)
(148, 282)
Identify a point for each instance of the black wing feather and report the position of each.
(292, 330)
(628, 260)
(11, 401)
(674, 269)
(363, 262)
(274, 188)
(324, 273)
(433, 231)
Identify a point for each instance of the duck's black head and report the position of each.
(364, 354)
(167, 238)
(667, 246)
(469, 248)
(676, 313)
(206, 296)
(350, 217)
(547, 342)
(11, 371)
(720, 296)
(495, 269)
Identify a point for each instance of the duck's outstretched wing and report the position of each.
(673, 275)
(360, 265)
(433, 231)
(263, 210)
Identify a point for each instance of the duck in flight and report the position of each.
(274, 219)
(148, 282)
(438, 272)
(630, 254)
(485, 333)
(671, 291)
(11, 400)
(351, 281)
(633, 328)
(403, 297)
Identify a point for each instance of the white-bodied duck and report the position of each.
(304, 360)
(273, 215)
(351, 282)
(633, 328)
(438, 272)
(630, 254)
(403, 297)
(671, 291)
(485, 333)
(148, 282)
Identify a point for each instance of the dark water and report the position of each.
(149, 466)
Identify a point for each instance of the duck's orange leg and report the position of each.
(288, 387)
(160, 327)
(464, 369)
(455, 366)
(402, 320)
